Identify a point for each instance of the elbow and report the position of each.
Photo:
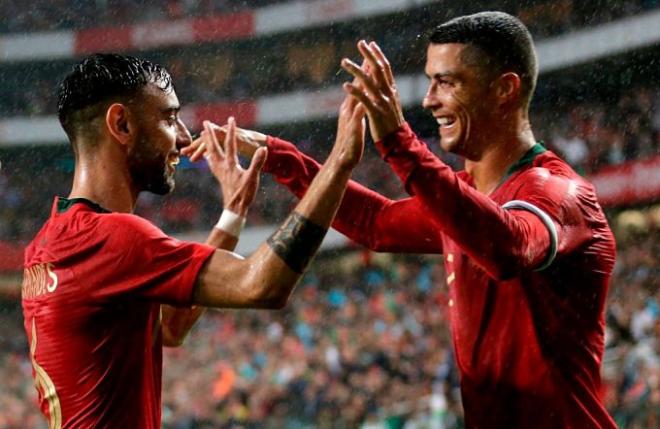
(170, 340)
(279, 303)
(376, 244)
(270, 302)
(267, 295)
(502, 273)
(178, 342)
(509, 264)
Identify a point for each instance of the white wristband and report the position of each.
(231, 223)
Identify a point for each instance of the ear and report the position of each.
(118, 124)
(508, 88)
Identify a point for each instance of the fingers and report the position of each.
(364, 66)
(192, 147)
(199, 148)
(230, 140)
(361, 96)
(376, 65)
(212, 146)
(359, 112)
(361, 76)
(258, 161)
(387, 69)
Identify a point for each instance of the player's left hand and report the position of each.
(239, 185)
(247, 142)
(375, 87)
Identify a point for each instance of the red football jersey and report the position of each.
(92, 289)
(527, 267)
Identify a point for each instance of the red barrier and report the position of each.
(630, 183)
(11, 257)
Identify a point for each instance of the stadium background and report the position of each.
(364, 341)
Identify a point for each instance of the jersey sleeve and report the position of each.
(137, 259)
(503, 240)
(376, 222)
(564, 205)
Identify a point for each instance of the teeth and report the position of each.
(444, 120)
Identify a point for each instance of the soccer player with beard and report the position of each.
(104, 290)
(528, 251)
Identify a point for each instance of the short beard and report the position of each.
(148, 169)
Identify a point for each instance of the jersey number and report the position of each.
(45, 385)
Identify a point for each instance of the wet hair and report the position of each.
(499, 43)
(101, 79)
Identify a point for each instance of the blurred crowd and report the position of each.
(49, 15)
(593, 134)
(306, 60)
(589, 135)
(234, 71)
(364, 342)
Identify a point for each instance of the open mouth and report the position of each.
(173, 163)
(446, 121)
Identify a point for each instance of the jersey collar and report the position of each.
(64, 204)
(526, 159)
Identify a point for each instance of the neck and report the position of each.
(506, 145)
(104, 179)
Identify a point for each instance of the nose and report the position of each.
(183, 137)
(430, 100)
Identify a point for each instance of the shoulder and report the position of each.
(127, 227)
(550, 175)
(553, 185)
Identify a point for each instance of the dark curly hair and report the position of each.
(100, 79)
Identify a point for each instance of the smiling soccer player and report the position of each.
(104, 289)
(528, 251)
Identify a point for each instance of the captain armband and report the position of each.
(547, 221)
(297, 241)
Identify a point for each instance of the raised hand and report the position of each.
(239, 186)
(349, 143)
(375, 88)
(247, 142)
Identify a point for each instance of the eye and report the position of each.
(445, 83)
(172, 119)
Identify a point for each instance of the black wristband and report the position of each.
(297, 241)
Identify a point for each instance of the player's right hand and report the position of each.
(247, 141)
(239, 186)
(351, 125)
(375, 87)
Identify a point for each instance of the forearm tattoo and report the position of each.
(297, 241)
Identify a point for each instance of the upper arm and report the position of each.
(219, 282)
(229, 281)
(551, 205)
(541, 232)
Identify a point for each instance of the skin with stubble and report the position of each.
(152, 160)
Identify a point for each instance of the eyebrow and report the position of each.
(171, 109)
(442, 75)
